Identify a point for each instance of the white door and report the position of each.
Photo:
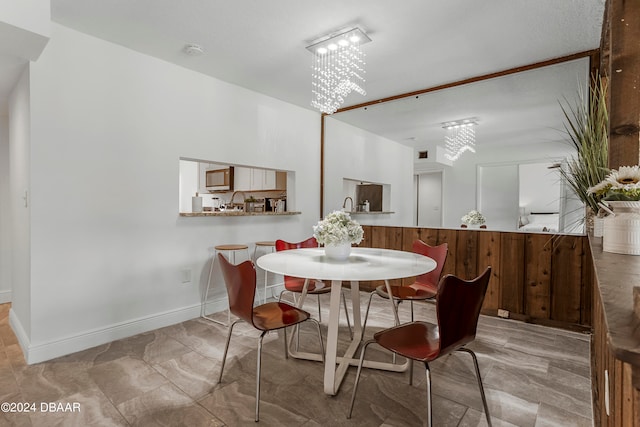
(430, 199)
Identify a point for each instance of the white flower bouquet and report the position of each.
(337, 228)
(473, 218)
(620, 185)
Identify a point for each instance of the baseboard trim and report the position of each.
(18, 330)
(61, 347)
(50, 350)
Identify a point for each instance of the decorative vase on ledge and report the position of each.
(622, 229)
(338, 252)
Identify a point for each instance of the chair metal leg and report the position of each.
(258, 375)
(364, 323)
(410, 372)
(292, 294)
(355, 385)
(429, 408)
(319, 311)
(286, 347)
(366, 314)
(346, 313)
(226, 348)
(484, 398)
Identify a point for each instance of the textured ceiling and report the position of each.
(416, 44)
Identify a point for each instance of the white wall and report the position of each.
(188, 184)
(108, 126)
(540, 188)
(5, 212)
(355, 154)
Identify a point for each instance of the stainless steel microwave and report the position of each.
(220, 179)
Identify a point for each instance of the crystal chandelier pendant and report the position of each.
(460, 137)
(337, 68)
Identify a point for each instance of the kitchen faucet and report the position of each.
(244, 196)
(344, 204)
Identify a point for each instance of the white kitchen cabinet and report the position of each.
(242, 178)
(269, 180)
(249, 179)
(257, 179)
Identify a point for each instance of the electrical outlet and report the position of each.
(503, 313)
(186, 275)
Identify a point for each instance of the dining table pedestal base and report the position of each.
(336, 366)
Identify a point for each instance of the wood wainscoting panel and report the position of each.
(429, 236)
(512, 267)
(537, 252)
(536, 277)
(450, 237)
(489, 254)
(566, 279)
(467, 255)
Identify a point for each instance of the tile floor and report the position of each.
(533, 376)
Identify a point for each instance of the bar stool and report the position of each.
(269, 245)
(231, 251)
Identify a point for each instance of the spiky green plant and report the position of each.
(587, 126)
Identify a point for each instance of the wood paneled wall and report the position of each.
(620, 63)
(537, 278)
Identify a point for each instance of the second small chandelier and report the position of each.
(460, 137)
(337, 68)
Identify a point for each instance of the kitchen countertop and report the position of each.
(618, 275)
(238, 213)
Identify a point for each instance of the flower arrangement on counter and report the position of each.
(619, 185)
(473, 218)
(338, 228)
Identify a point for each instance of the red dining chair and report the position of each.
(458, 304)
(240, 281)
(295, 285)
(425, 285)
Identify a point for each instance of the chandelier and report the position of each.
(460, 137)
(337, 68)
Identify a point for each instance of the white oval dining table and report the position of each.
(363, 264)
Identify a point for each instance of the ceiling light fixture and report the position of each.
(460, 137)
(337, 68)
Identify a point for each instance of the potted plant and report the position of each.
(473, 218)
(620, 191)
(249, 204)
(587, 127)
(337, 231)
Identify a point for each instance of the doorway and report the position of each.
(429, 199)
